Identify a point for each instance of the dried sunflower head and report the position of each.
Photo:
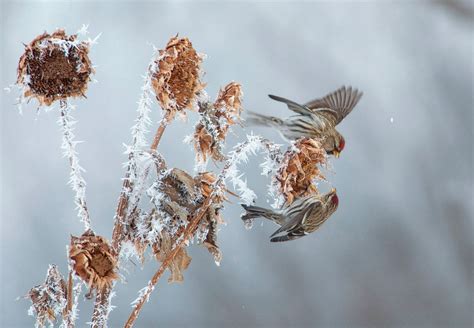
(299, 169)
(229, 102)
(93, 260)
(54, 66)
(49, 299)
(176, 75)
(216, 118)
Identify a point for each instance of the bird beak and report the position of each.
(336, 153)
(333, 191)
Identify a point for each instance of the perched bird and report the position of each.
(315, 119)
(303, 216)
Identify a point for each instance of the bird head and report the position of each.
(332, 200)
(340, 144)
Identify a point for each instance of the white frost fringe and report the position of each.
(77, 182)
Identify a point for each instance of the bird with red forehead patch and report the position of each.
(304, 216)
(315, 119)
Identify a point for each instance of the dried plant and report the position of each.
(161, 210)
(299, 168)
(55, 66)
(93, 261)
(176, 80)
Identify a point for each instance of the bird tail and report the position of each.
(262, 120)
(280, 239)
(252, 212)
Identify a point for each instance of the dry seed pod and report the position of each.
(53, 67)
(299, 169)
(93, 260)
(176, 79)
(49, 299)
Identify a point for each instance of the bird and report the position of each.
(304, 216)
(315, 119)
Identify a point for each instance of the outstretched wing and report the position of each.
(336, 105)
(297, 108)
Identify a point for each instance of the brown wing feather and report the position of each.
(336, 105)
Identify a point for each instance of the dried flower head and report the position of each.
(229, 102)
(49, 299)
(211, 131)
(176, 79)
(180, 262)
(93, 260)
(54, 66)
(299, 168)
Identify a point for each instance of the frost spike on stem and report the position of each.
(76, 180)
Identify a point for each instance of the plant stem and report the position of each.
(76, 180)
(102, 298)
(127, 188)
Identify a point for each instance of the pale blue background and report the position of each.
(399, 250)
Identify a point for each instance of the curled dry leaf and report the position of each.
(176, 79)
(50, 298)
(53, 67)
(299, 169)
(93, 260)
(180, 262)
(211, 131)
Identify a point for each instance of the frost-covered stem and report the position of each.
(68, 317)
(161, 129)
(186, 234)
(76, 180)
(101, 308)
(127, 188)
(239, 154)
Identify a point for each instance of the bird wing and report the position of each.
(298, 219)
(297, 108)
(336, 105)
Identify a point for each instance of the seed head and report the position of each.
(299, 169)
(53, 67)
(211, 131)
(93, 260)
(176, 79)
(49, 299)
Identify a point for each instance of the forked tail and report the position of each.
(252, 212)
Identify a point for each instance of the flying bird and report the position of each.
(305, 215)
(315, 119)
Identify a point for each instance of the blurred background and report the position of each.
(399, 250)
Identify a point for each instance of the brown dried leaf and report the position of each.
(180, 262)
